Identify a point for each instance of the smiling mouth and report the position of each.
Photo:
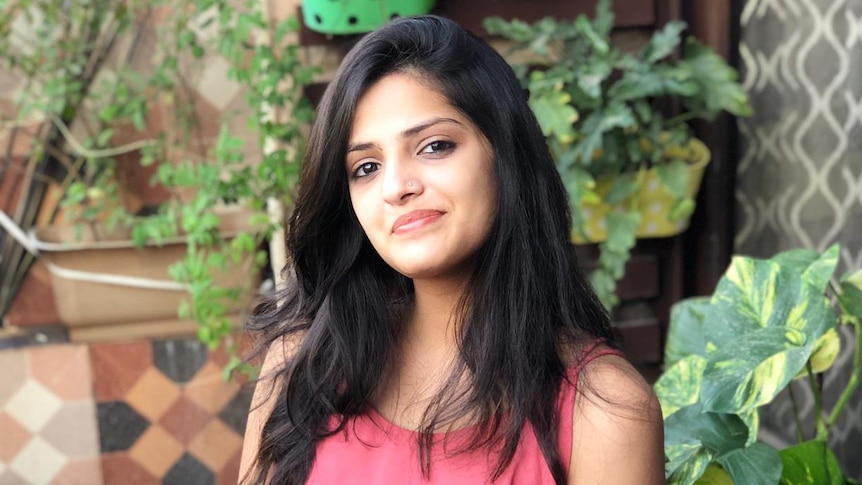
(414, 220)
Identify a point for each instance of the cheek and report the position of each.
(364, 211)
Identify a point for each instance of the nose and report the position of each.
(400, 181)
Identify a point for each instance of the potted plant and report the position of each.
(630, 169)
(768, 322)
(110, 85)
(358, 16)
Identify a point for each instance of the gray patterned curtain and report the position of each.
(800, 172)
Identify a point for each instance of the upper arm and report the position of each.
(618, 433)
(264, 400)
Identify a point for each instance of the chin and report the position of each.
(430, 271)
(418, 272)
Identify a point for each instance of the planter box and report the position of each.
(653, 200)
(106, 281)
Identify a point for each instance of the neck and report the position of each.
(431, 324)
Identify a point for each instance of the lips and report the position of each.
(415, 220)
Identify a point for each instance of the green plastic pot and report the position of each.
(358, 16)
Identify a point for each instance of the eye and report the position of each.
(438, 147)
(365, 169)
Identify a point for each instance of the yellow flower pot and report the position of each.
(653, 200)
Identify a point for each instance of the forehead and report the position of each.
(397, 102)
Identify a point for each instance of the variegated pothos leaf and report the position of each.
(741, 377)
(686, 331)
(764, 319)
(679, 385)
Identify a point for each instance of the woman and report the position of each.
(436, 328)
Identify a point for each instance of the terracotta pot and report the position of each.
(100, 279)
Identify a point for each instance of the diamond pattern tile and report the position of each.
(153, 394)
(80, 472)
(33, 405)
(189, 471)
(235, 412)
(9, 477)
(229, 475)
(209, 390)
(179, 359)
(181, 401)
(156, 451)
(128, 413)
(14, 437)
(48, 431)
(185, 419)
(215, 445)
(119, 426)
(38, 461)
(117, 366)
(14, 366)
(64, 370)
(71, 430)
(120, 469)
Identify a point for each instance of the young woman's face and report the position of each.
(421, 179)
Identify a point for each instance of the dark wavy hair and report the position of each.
(525, 297)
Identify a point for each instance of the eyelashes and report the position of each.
(438, 147)
(435, 149)
(365, 169)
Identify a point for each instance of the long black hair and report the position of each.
(526, 294)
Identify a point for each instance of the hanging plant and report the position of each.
(341, 17)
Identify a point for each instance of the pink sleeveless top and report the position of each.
(373, 450)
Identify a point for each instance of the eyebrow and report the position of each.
(409, 132)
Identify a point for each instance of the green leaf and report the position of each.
(597, 124)
(686, 330)
(674, 175)
(757, 464)
(603, 21)
(243, 242)
(517, 30)
(715, 475)
(686, 464)
(623, 186)
(693, 437)
(717, 81)
(681, 209)
(810, 463)
(825, 351)
(796, 259)
(554, 114)
(755, 293)
(597, 41)
(718, 432)
(636, 85)
(752, 420)
(621, 228)
(104, 137)
(851, 294)
(679, 385)
(751, 370)
(663, 42)
(820, 271)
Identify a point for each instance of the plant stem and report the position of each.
(852, 382)
(799, 435)
(820, 425)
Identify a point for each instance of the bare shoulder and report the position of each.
(618, 433)
(265, 395)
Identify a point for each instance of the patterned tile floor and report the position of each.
(129, 413)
